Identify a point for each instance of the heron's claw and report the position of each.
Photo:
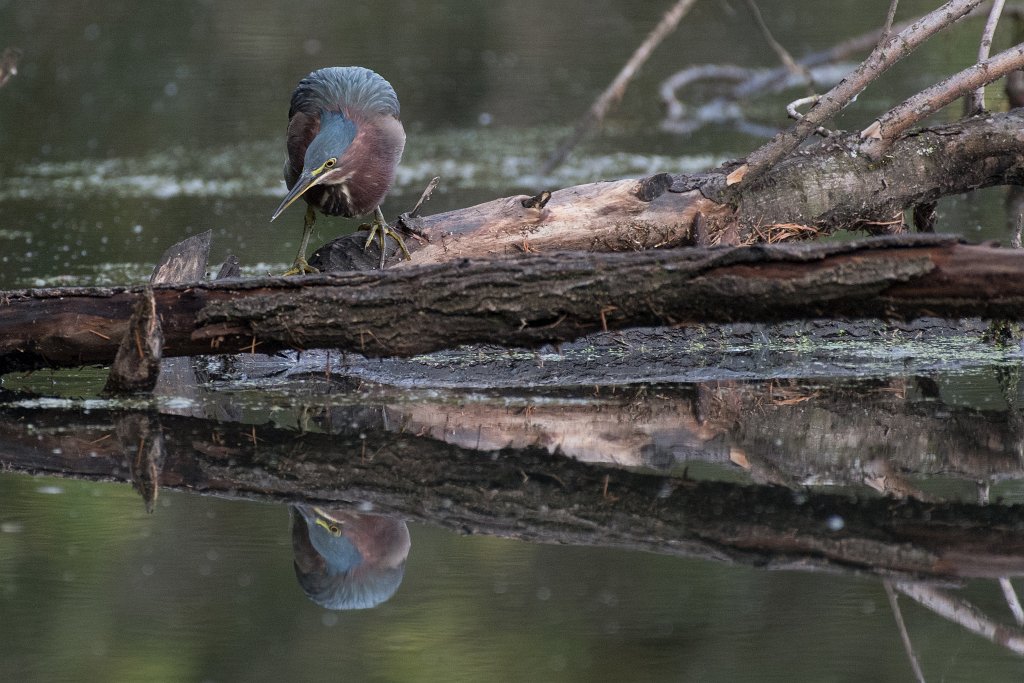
(301, 267)
(381, 226)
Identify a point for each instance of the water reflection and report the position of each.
(767, 475)
(762, 473)
(348, 560)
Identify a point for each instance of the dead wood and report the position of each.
(525, 301)
(137, 366)
(884, 56)
(826, 187)
(617, 88)
(880, 134)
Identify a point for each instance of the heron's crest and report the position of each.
(354, 88)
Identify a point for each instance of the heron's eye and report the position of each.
(335, 530)
(330, 162)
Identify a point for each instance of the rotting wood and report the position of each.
(525, 301)
(826, 187)
(137, 367)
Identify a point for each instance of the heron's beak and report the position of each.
(305, 181)
(320, 512)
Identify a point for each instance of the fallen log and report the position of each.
(526, 301)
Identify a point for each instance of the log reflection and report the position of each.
(495, 465)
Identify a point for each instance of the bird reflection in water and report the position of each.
(348, 560)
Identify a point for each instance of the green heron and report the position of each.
(344, 142)
(348, 560)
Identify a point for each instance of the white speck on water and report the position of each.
(11, 527)
(50, 490)
(835, 523)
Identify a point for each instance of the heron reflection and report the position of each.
(348, 560)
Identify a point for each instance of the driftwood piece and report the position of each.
(528, 494)
(622, 215)
(526, 301)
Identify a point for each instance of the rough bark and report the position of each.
(525, 493)
(525, 301)
(884, 56)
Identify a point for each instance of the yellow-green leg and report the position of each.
(301, 266)
(380, 225)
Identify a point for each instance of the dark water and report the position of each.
(131, 126)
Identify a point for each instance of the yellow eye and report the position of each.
(330, 162)
(335, 530)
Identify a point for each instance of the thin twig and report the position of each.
(880, 135)
(908, 647)
(976, 100)
(964, 614)
(614, 92)
(783, 54)
(887, 27)
(425, 196)
(834, 101)
(1012, 600)
(795, 115)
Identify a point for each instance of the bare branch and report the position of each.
(887, 27)
(879, 136)
(614, 92)
(783, 54)
(894, 604)
(963, 613)
(795, 115)
(976, 100)
(880, 60)
(1012, 600)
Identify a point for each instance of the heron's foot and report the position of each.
(301, 267)
(379, 226)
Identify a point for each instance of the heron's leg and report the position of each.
(380, 225)
(301, 266)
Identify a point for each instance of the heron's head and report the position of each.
(322, 164)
